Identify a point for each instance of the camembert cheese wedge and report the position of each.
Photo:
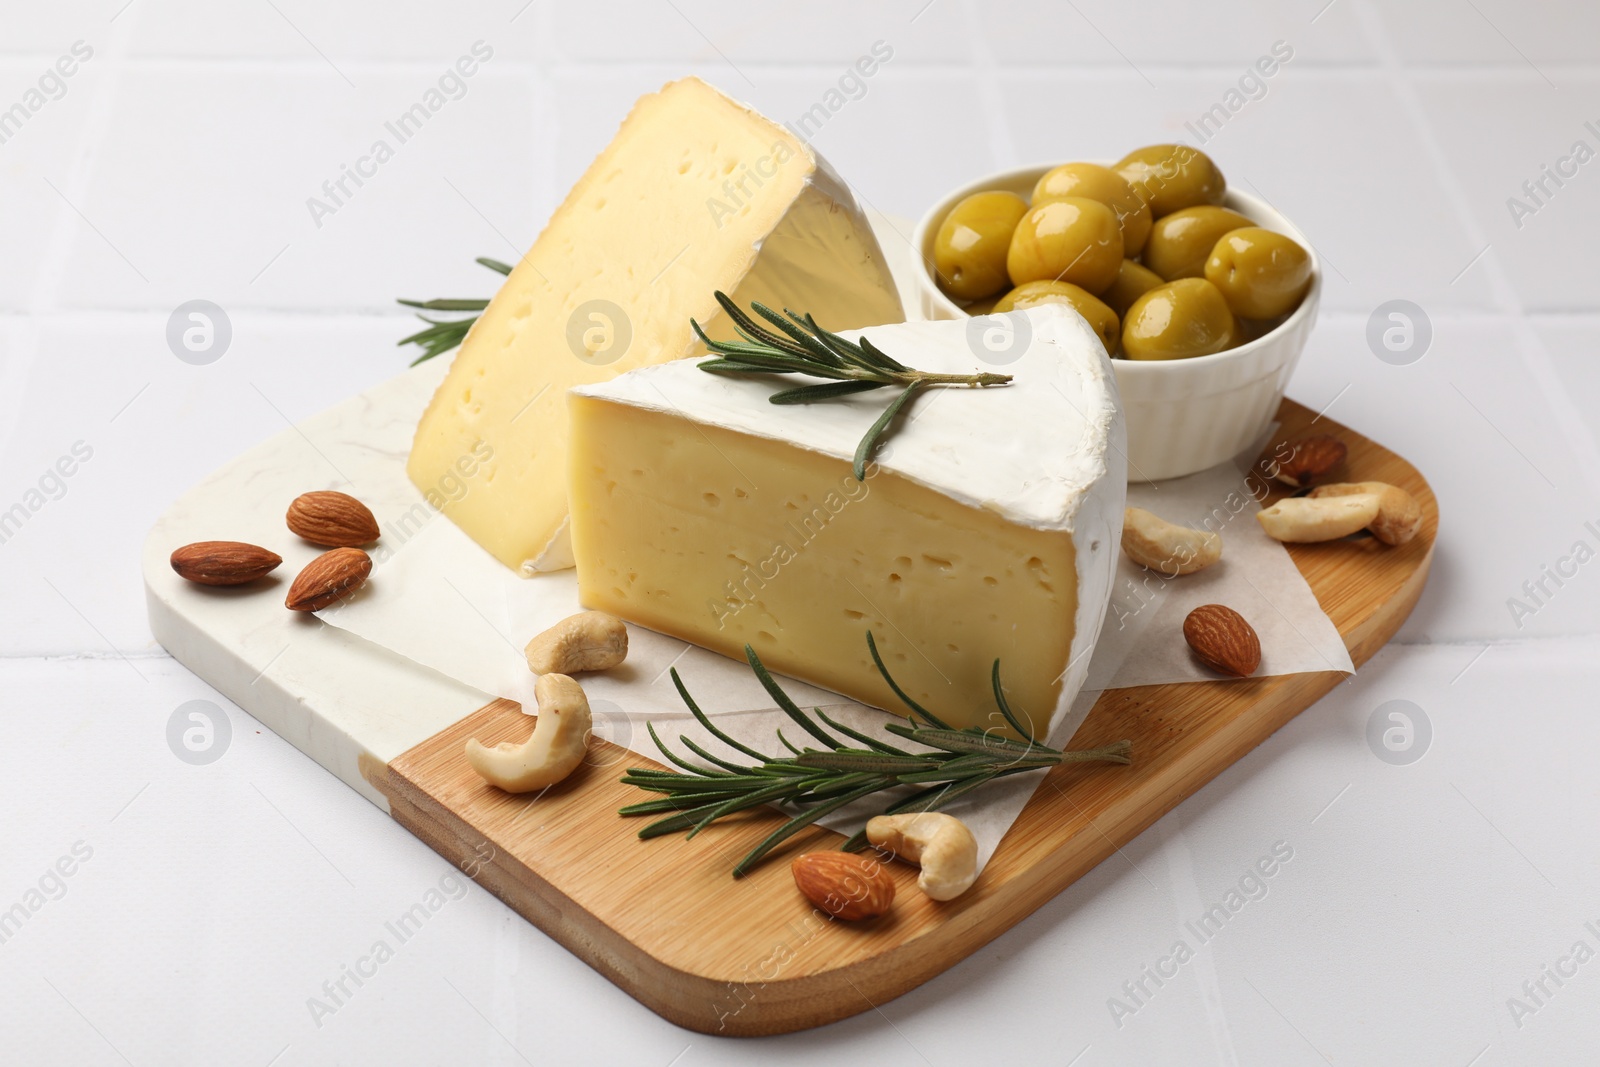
(695, 194)
(987, 529)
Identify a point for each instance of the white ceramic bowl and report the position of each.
(1184, 415)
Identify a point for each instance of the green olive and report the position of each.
(1261, 274)
(1171, 177)
(1101, 319)
(1069, 240)
(1180, 243)
(1184, 318)
(1133, 281)
(1094, 182)
(969, 252)
(1250, 329)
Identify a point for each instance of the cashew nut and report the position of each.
(1399, 514)
(940, 844)
(1151, 541)
(558, 744)
(1302, 518)
(587, 641)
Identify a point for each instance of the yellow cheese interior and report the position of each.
(723, 539)
(695, 194)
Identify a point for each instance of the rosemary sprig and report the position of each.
(820, 780)
(442, 335)
(798, 345)
(802, 347)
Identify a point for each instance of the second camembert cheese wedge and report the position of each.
(696, 193)
(987, 528)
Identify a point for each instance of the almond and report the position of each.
(1223, 640)
(1311, 460)
(223, 562)
(331, 519)
(327, 578)
(846, 885)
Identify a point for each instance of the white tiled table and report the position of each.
(215, 900)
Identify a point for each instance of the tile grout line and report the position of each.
(16, 369)
(1589, 316)
(1530, 347)
(45, 296)
(1083, 68)
(544, 115)
(1183, 891)
(983, 70)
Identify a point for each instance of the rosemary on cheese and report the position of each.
(800, 346)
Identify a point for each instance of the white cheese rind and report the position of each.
(1005, 448)
(1097, 534)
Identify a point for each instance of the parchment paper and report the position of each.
(436, 598)
(1142, 640)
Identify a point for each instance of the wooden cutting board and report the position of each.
(665, 922)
